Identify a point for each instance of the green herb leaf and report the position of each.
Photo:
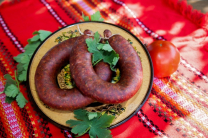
(20, 68)
(85, 18)
(9, 81)
(25, 59)
(21, 101)
(34, 38)
(18, 57)
(97, 37)
(97, 126)
(102, 52)
(80, 127)
(31, 47)
(92, 115)
(9, 100)
(97, 57)
(25, 66)
(22, 76)
(12, 86)
(105, 47)
(36, 32)
(96, 17)
(11, 90)
(115, 60)
(43, 34)
(92, 45)
(94, 133)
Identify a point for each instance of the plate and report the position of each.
(132, 106)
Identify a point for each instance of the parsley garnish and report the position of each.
(12, 89)
(102, 51)
(95, 123)
(94, 17)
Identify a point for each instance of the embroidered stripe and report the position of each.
(149, 123)
(190, 103)
(196, 71)
(2, 132)
(193, 84)
(10, 35)
(173, 95)
(14, 126)
(169, 116)
(187, 88)
(195, 115)
(86, 7)
(7, 65)
(140, 23)
(4, 119)
(108, 15)
(67, 11)
(180, 112)
(68, 6)
(28, 121)
(90, 10)
(53, 13)
(156, 36)
(68, 134)
(6, 60)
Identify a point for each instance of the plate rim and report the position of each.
(112, 126)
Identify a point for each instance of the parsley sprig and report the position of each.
(12, 86)
(94, 122)
(94, 17)
(102, 51)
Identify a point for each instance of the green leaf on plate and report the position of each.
(102, 51)
(97, 126)
(92, 115)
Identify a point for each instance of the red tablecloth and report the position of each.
(177, 106)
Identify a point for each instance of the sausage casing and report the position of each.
(90, 84)
(46, 74)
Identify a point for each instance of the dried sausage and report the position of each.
(103, 70)
(45, 79)
(105, 92)
(107, 33)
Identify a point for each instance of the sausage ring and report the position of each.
(46, 83)
(105, 92)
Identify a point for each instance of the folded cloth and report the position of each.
(177, 105)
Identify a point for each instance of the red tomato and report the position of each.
(165, 57)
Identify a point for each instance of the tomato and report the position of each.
(165, 58)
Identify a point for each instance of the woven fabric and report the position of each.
(177, 105)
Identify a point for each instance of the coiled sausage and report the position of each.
(91, 85)
(45, 78)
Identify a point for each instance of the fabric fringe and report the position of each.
(187, 10)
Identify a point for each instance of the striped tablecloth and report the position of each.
(177, 106)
